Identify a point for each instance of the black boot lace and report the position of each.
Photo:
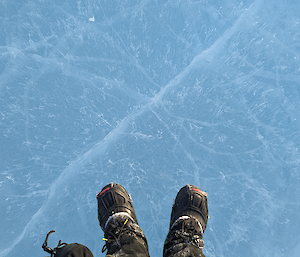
(115, 231)
(188, 231)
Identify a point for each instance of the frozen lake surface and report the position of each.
(152, 95)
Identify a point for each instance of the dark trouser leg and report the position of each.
(185, 250)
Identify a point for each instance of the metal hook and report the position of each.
(46, 247)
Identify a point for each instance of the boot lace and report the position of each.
(185, 230)
(112, 236)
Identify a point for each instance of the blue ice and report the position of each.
(152, 95)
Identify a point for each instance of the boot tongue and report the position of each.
(118, 220)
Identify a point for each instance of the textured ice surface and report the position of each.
(152, 95)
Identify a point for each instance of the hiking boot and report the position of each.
(190, 201)
(112, 199)
(117, 218)
(188, 222)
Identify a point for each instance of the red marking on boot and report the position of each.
(104, 190)
(198, 190)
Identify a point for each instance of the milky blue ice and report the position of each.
(153, 95)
